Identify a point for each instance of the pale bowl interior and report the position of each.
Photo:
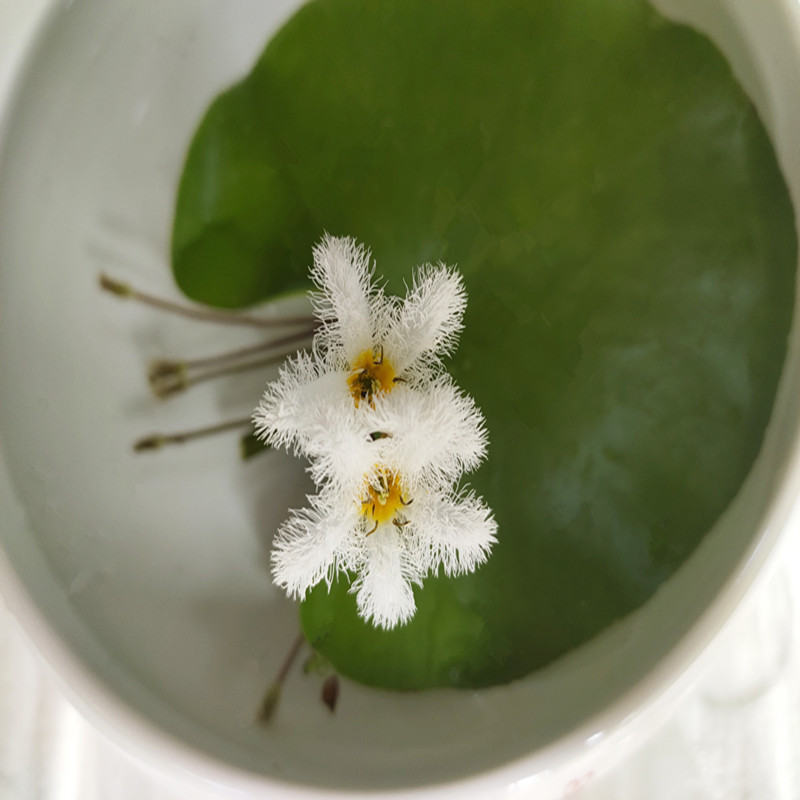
(144, 580)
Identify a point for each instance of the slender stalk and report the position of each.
(158, 440)
(234, 369)
(273, 694)
(162, 368)
(243, 352)
(126, 291)
(165, 381)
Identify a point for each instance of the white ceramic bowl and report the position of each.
(141, 580)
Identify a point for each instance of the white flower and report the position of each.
(366, 344)
(392, 537)
(431, 433)
(388, 436)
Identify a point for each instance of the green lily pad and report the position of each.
(629, 250)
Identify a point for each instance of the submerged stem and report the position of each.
(245, 366)
(273, 694)
(128, 292)
(243, 352)
(158, 440)
(171, 377)
(168, 376)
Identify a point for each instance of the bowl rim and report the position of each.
(599, 742)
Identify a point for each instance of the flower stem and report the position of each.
(128, 292)
(273, 694)
(168, 378)
(158, 440)
(233, 369)
(234, 355)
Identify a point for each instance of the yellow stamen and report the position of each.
(384, 498)
(370, 373)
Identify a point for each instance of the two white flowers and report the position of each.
(388, 436)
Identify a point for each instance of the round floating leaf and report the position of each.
(629, 251)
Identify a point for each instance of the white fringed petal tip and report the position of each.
(387, 433)
(388, 555)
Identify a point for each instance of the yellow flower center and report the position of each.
(385, 501)
(371, 373)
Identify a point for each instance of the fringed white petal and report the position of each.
(312, 544)
(436, 433)
(459, 530)
(425, 432)
(346, 296)
(292, 404)
(341, 451)
(383, 588)
(427, 324)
